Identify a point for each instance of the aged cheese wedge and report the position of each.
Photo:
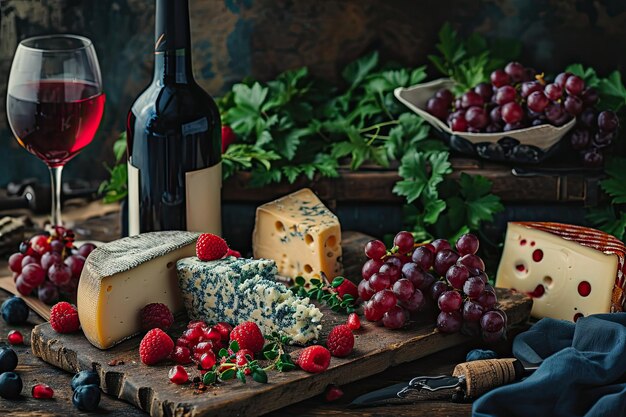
(121, 277)
(301, 234)
(570, 271)
(238, 290)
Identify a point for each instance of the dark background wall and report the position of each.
(236, 38)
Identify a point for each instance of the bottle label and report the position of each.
(204, 213)
(133, 200)
(198, 126)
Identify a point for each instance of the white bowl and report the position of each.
(540, 138)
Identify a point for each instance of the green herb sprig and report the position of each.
(227, 368)
(321, 290)
(275, 351)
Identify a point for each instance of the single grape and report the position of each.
(379, 282)
(413, 273)
(50, 258)
(60, 274)
(467, 243)
(603, 139)
(487, 299)
(512, 112)
(365, 291)
(496, 114)
(57, 246)
(472, 311)
(529, 74)
(471, 99)
(15, 262)
(445, 95)
(573, 105)
(473, 263)
(450, 322)
(476, 117)
(444, 260)
(593, 159)
(493, 128)
(458, 124)
(590, 96)
(392, 271)
(489, 288)
(48, 293)
(440, 244)
(589, 118)
(554, 112)
(372, 313)
(499, 78)
(404, 241)
(512, 126)
(561, 79)
(375, 249)
(553, 91)
(371, 267)
(384, 300)
(516, 71)
(574, 85)
(530, 87)
(403, 289)
(22, 287)
(437, 107)
(415, 301)
(565, 117)
(537, 101)
(428, 280)
(492, 337)
(580, 139)
(457, 275)
(505, 94)
(395, 318)
(438, 288)
(473, 287)
(502, 313)
(33, 275)
(484, 90)
(29, 259)
(450, 301)
(491, 321)
(423, 257)
(76, 263)
(484, 277)
(608, 121)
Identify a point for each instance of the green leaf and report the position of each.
(588, 75)
(449, 45)
(223, 353)
(234, 346)
(249, 97)
(119, 147)
(432, 210)
(612, 91)
(356, 71)
(241, 376)
(315, 282)
(615, 184)
(259, 376)
(228, 374)
(482, 209)
(300, 281)
(606, 219)
(209, 378)
(337, 282)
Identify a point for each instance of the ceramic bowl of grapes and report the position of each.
(517, 117)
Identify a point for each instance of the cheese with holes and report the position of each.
(121, 277)
(238, 289)
(301, 234)
(570, 271)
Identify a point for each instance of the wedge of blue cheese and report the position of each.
(238, 289)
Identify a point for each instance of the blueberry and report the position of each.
(86, 397)
(10, 385)
(85, 378)
(14, 311)
(8, 360)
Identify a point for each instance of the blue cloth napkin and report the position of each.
(582, 372)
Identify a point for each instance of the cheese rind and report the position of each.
(301, 234)
(121, 277)
(238, 289)
(571, 271)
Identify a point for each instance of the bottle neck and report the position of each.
(172, 42)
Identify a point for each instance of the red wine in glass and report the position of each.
(53, 119)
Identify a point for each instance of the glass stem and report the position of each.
(55, 177)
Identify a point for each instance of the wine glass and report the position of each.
(55, 101)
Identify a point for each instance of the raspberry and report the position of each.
(64, 318)
(156, 315)
(347, 287)
(181, 355)
(210, 247)
(228, 137)
(354, 323)
(248, 336)
(333, 393)
(241, 359)
(340, 341)
(224, 329)
(314, 359)
(155, 346)
(232, 252)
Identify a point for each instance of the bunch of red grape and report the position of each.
(49, 265)
(407, 279)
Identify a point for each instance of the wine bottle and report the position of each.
(174, 138)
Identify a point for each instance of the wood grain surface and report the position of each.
(376, 349)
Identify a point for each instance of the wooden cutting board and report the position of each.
(376, 349)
